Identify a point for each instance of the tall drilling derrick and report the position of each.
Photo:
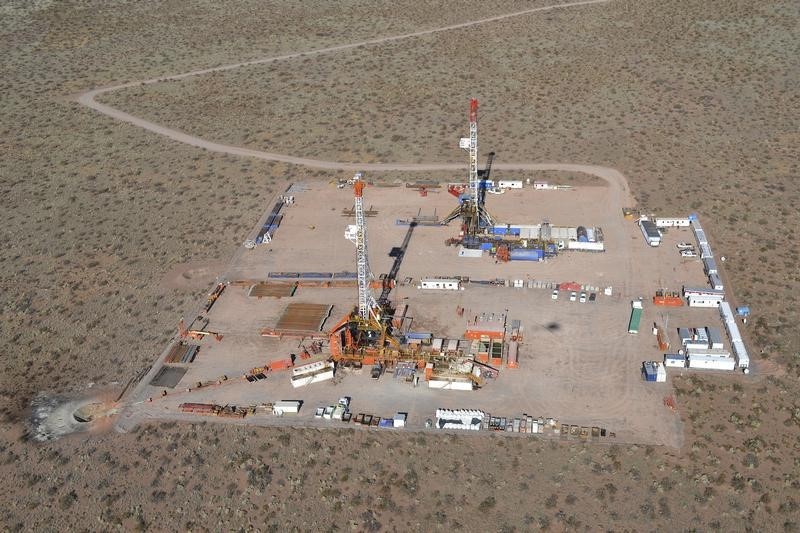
(472, 210)
(474, 183)
(367, 306)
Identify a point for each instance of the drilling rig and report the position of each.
(368, 325)
(471, 209)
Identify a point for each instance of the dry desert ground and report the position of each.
(112, 231)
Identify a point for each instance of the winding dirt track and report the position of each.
(87, 98)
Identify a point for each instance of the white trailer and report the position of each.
(652, 235)
(450, 384)
(715, 281)
(675, 360)
(588, 246)
(448, 284)
(510, 184)
(286, 406)
(711, 363)
(708, 352)
(703, 301)
(672, 222)
(742, 358)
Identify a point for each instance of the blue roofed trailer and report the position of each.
(525, 254)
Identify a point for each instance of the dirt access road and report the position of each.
(87, 98)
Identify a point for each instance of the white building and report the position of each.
(672, 222)
(704, 301)
(448, 284)
(652, 235)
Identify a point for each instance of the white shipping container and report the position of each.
(742, 357)
(590, 246)
(446, 384)
(711, 363)
(286, 406)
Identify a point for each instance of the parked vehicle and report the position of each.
(573, 296)
(583, 298)
(554, 296)
(688, 253)
(593, 297)
(684, 246)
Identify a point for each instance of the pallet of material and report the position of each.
(199, 408)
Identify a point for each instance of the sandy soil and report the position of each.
(97, 212)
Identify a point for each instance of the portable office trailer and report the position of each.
(715, 281)
(672, 222)
(711, 363)
(709, 266)
(652, 235)
(674, 360)
(708, 352)
(703, 291)
(705, 251)
(450, 284)
(715, 338)
(703, 301)
(729, 321)
(742, 357)
(510, 184)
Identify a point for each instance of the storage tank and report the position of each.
(525, 254)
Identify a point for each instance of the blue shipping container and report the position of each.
(486, 246)
(419, 336)
(499, 230)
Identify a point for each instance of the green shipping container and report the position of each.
(636, 318)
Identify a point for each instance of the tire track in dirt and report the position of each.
(87, 98)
